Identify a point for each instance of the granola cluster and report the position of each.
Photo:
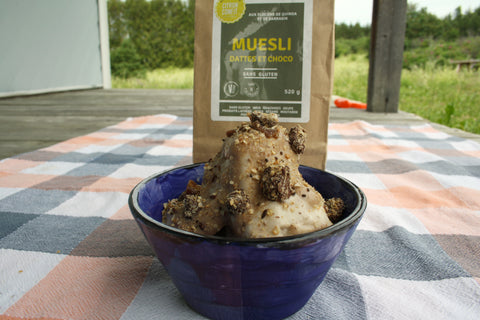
(276, 184)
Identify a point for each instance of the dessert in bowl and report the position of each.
(250, 263)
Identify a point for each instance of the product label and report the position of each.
(261, 59)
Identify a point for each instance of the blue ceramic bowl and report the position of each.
(231, 278)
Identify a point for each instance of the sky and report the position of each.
(353, 11)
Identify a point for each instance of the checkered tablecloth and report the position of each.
(69, 248)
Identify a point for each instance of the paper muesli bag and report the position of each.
(271, 56)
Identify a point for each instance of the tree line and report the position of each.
(423, 24)
(150, 34)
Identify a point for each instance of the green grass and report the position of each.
(443, 96)
(170, 78)
(351, 77)
(438, 94)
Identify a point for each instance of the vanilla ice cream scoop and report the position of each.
(252, 188)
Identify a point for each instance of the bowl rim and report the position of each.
(343, 224)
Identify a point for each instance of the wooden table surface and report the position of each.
(28, 123)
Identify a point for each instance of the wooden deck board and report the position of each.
(28, 123)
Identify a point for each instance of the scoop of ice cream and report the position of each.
(252, 188)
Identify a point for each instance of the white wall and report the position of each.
(53, 45)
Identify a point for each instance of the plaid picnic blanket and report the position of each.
(69, 248)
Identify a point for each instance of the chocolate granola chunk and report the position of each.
(230, 133)
(268, 120)
(192, 204)
(237, 202)
(170, 208)
(297, 137)
(192, 189)
(265, 122)
(275, 183)
(334, 208)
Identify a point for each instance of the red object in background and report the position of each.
(346, 103)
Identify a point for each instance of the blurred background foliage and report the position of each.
(147, 35)
(152, 34)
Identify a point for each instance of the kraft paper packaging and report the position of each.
(271, 56)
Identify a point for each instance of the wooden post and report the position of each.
(386, 55)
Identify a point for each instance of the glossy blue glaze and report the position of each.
(228, 278)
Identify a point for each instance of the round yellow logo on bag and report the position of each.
(230, 11)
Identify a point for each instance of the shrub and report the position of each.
(440, 52)
(125, 61)
(352, 46)
(162, 31)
